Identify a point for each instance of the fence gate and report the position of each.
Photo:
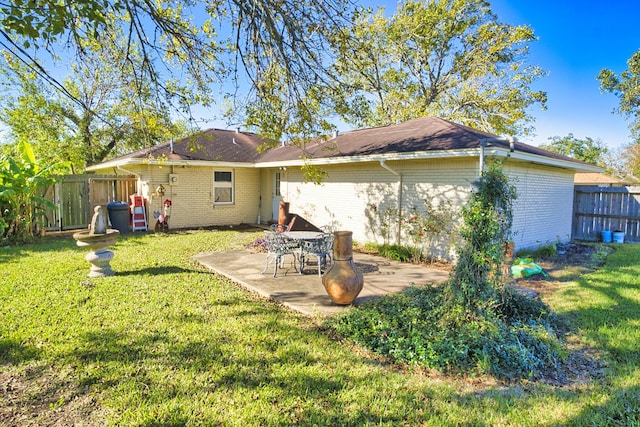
(606, 208)
(75, 197)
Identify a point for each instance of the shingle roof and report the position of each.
(209, 145)
(418, 135)
(586, 178)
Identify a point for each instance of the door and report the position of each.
(277, 196)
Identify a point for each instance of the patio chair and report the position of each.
(321, 248)
(278, 246)
(279, 228)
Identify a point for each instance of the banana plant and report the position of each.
(21, 208)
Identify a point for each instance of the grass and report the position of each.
(165, 342)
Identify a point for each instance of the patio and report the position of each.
(305, 293)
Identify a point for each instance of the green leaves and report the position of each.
(476, 282)
(626, 86)
(21, 179)
(42, 22)
(587, 149)
(449, 58)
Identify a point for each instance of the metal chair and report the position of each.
(278, 246)
(279, 228)
(321, 248)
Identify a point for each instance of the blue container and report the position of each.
(618, 237)
(607, 236)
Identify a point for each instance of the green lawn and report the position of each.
(165, 342)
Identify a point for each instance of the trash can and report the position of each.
(119, 216)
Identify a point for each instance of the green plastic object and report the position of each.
(525, 267)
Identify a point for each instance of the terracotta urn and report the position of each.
(343, 281)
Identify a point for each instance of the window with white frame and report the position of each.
(277, 184)
(223, 188)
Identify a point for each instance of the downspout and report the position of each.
(399, 175)
(483, 145)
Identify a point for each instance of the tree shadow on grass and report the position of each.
(14, 352)
(156, 271)
(620, 409)
(276, 370)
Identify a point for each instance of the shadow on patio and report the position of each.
(305, 293)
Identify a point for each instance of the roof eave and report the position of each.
(416, 155)
(550, 161)
(108, 165)
(436, 154)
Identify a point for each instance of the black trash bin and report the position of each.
(119, 216)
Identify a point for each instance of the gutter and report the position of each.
(483, 146)
(399, 175)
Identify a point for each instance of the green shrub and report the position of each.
(546, 251)
(516, 340)
(396, 252)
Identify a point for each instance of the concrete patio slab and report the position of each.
(304, 292)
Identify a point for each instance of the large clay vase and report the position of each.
(343, 281)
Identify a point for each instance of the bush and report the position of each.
(414, 327)
(396, 252)
(546, 251)
(474, 322)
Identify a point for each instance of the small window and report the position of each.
(277, 184)
(223, 187)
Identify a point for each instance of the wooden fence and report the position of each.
(606, 208)
(75, 196)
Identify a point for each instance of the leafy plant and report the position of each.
(477, 279)
(415, 327)
(382, 220)
(396, 252)
(21, 207)
(423, 228)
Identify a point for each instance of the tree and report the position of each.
(587, 149)
(114, 117)
(187, 48)
(450, 58)
(631, 158)
(477, 282)
(626, 86)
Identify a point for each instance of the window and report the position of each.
(223, 188)
(277, 184)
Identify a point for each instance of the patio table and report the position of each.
(301, 236)
(310, 243)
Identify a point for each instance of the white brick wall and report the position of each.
(348, 192)
(543, 212)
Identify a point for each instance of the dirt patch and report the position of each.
(37, 395)
(576, 260)
(583, 363)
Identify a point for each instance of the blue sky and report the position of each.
(577, 39)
